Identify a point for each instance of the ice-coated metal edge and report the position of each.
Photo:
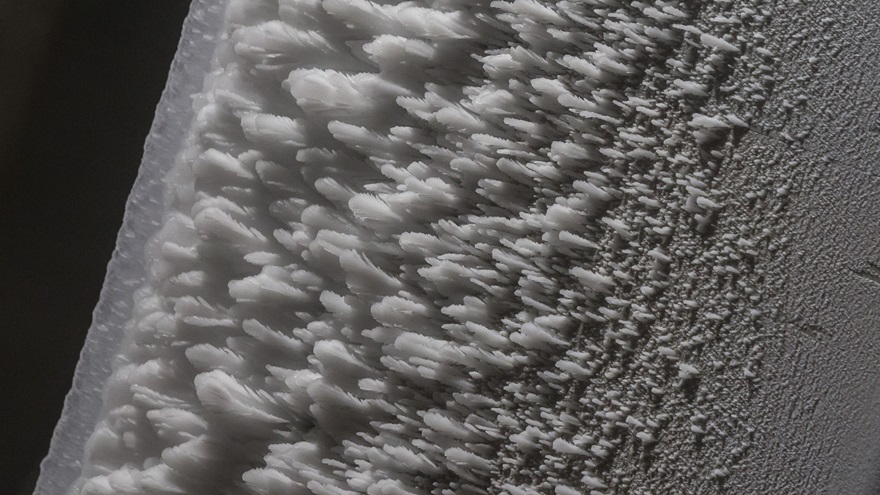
(127, 268)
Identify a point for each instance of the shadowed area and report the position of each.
(80, 80)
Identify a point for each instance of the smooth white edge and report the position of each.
(127, 268)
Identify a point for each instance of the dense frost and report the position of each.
(476, 247)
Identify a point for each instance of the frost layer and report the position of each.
(497, 247)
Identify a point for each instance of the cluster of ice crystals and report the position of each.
(449, 246)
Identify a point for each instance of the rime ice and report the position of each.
(462, 247)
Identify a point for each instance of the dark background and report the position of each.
(79, 82)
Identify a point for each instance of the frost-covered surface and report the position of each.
(513, 247)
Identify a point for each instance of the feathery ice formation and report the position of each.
(461, 246)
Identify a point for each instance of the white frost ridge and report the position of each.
(456, 246)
